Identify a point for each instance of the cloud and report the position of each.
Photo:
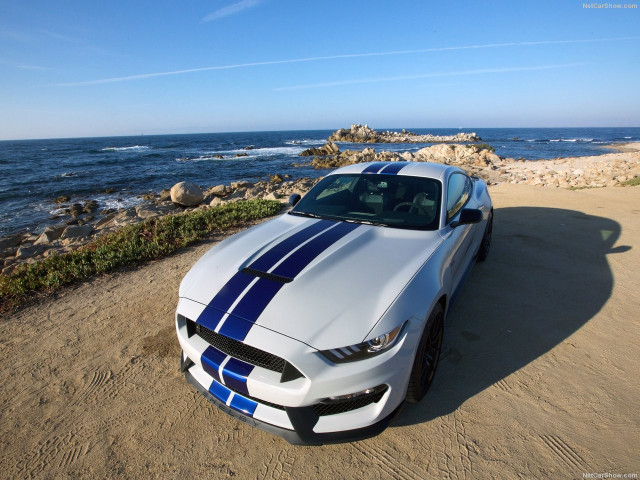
(333, 57)
(231, 10)
(429, 75)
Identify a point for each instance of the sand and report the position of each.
(539, 375)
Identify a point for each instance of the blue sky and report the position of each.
(78, 68)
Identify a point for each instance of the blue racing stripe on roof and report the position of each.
(302, 257)
(211, 360)
(394, 168)
(268, 259)
(244, 405)
(235, 374)
(374, 167)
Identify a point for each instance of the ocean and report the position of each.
(36, 172)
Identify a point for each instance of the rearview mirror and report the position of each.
(467, 217)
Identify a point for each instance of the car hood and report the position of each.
(340, 292)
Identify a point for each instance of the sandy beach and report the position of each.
(538, 377)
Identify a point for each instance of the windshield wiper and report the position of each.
(305, 214)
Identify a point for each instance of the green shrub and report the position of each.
(149, 240)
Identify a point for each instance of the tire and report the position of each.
(485, 244)
(427, 356)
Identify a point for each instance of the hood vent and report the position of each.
(266, 275)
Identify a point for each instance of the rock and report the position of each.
(219, 157)
(272, 196)
(11, 241)
(148, 196)
(109, 190)
(50, 234)
(329, 148)
(104, 222)
(8, 252)
(365, 134)
(187, 194)
(125, 218)
(76, 231)
(240, 184)
(28, 252)
(90, 207)
(277, 178)
(238, 155)
(250, 147)
(165, 195)
(216, 202)
(62, 199)
(149, 211)
(218, 191)
(76, 210)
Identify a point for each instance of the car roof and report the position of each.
(437, 171)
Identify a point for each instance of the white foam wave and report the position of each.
(627, 138)
(306, 141)
(125, 149)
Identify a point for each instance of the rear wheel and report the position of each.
(483, 251)
(427, 356)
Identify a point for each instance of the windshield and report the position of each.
(388, 200)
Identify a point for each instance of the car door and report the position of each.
(459, 239)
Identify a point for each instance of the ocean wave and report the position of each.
(125, 149)
(628, 138)
(306, 141)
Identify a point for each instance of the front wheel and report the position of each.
(427, 356)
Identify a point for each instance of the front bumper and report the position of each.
(302, 419)
(296, 409)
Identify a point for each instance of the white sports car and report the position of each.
(318, 324)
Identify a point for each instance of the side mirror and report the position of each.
(467, 217)
(294, 198)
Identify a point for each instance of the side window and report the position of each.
(458, 192)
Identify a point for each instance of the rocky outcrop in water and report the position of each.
(365, 134)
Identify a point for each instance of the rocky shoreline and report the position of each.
(365, 134)
(84, 223)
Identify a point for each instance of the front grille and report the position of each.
(324, 409)
(237, 349)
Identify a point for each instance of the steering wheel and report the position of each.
(411, 206)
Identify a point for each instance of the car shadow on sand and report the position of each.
(546, 276)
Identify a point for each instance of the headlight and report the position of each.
(365, 349)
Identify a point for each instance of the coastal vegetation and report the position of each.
(130, 245)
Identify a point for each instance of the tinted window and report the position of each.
(458, 192)
(389, 200)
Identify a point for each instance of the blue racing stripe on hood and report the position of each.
(238, 324)
(231, 291)
(268, 259)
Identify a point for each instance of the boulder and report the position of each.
(240, 184)
(216, 202)
(11, 241)
(76, 231)
(218, 191)
(30, 251)
(187, 194)
(50, 234)
(76, 210)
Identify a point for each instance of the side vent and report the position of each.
(268, 276)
